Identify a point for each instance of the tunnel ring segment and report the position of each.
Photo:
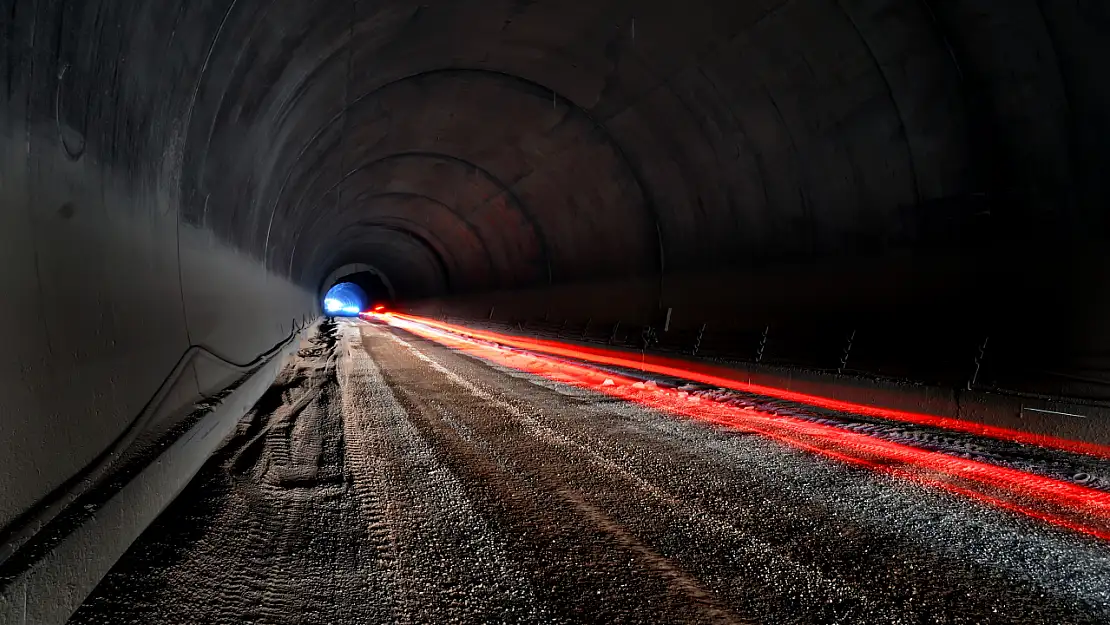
(351, 269)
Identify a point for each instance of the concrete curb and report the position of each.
(55, 584)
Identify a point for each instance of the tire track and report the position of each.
(268, 532)
(616, 558)
(448, 560)
(907, 550)
(387, 479)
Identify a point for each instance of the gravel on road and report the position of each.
(387, 478)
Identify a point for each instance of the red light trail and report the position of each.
(723, 377)
(1053, 501)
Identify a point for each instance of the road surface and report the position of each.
(388, 478)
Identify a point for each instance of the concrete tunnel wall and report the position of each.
(183, 174)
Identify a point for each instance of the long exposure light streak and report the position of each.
(1053, 501)
(726, 378)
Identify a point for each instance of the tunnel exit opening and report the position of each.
(356, 292)
(345, 299)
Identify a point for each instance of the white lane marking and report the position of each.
(1066, 414)
(694, 513)
(388, 448)
(1079, 568)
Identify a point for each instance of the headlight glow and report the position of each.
(345, 299)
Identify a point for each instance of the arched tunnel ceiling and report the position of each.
(510, 144)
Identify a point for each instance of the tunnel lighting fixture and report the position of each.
(1057, 502)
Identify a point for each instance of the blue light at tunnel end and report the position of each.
(345, 300)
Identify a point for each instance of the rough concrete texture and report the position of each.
(389, 479)
(76, 540)
(182, 174)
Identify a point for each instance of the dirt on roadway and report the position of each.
(384, 478)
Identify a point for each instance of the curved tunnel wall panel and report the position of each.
(564, 163)
(578, 226)
(233, 305)
(1079, 39)
(855, 180)
(92, 252)
(923, 82)
(395, 252)
(455, 239)
(555, 147)
(807, 133)
(346, 271)
(299, 168)
(92, 164)
(483, 249)
(25, 429)
(1012, 80)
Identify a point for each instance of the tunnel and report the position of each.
(345, 298)
(913, 190)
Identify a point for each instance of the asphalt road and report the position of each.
(386, 478)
